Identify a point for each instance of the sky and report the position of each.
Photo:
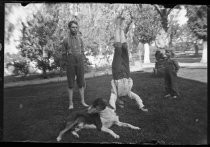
(181, 16)
(19, 13)
(23, 12)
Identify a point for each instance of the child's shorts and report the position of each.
(123, 86)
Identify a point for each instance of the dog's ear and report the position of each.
(97, 102)
(108, 104)
(102, 102)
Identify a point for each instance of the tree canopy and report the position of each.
(197, 22)
(43, 32)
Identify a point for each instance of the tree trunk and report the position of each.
(44, 73)
(44, 70)
(61, 69)
(204, 54)
(140, 60)
(196, 49)
(162, 39)
(100, 49)
(146, 53)
(170, 40)
(131, 60)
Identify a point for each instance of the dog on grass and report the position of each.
(83, 118)
(100, 115)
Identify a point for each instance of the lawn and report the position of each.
(37, 113)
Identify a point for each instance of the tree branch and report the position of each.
(168, 12)
(158, 9)
(128, 25)
(139, 7)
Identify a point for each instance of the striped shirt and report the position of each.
(73, 45)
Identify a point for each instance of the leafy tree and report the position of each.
(174, 28)
(8, 58)
(20, 64)
(185, 39)
(95, 22)
(96, 27)
(21, 68)
(197, 22)
(147, 26)
(164, 39)
(36, 40)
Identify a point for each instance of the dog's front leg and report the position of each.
(77, 129)
(86, 126)
(75, 133)
(62, 132)
(89, 126)
(104, 129)
(122, 124)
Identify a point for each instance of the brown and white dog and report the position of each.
(83, 118)
(100, 115)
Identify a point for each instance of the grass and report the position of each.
(37, 112)
(13, 78)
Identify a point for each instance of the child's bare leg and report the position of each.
(117, 30)
(112, 100)
(122, 36)
(113, 97)
(138, 100)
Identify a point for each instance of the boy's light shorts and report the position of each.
(123, 86)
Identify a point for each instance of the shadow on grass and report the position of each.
(38, 112)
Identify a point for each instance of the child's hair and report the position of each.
(159, 55)
(171, 53)
(72, 22)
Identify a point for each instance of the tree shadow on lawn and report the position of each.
(38, 112)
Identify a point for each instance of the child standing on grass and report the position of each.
(170, 75)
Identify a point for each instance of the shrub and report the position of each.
(21, 68)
